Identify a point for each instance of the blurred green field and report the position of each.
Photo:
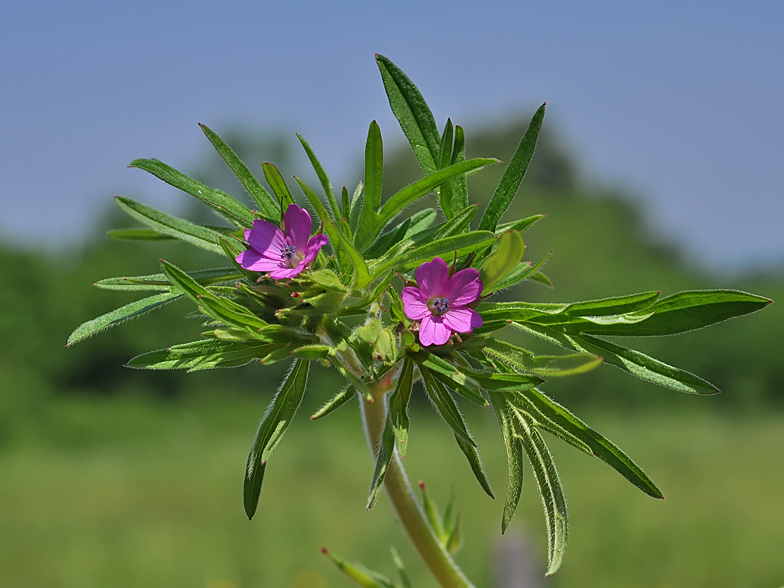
(130, 492)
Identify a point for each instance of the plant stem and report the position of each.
(404, 502)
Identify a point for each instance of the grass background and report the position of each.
(148, 493)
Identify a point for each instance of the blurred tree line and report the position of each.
(601, 247)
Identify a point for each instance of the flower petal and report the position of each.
(265, 236)
(297, 221)
(252, 260)
(432, 276)
(432, 331)
(284, 272)
(314, 245)
(463, 288)
(462, 320)
(414, 303)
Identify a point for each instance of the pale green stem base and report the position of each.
(403, 500)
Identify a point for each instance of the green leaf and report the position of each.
(322, 176)
(463, 244)
(542, 365)
(362, 275)
(356, 207)
(523, 271)
(137, 235)
(171, 225)
(229, 207)
(499, 264)
(521, 226)
(204, 354)
(513, 174)
(268, 206)
(445, 405)
(344, 395)
(384, 454)
(450, 375)
(601, 447)
(645, 367)
(514, 455)
(458, 223)
(221, 308)
(398, 405)
(271, 429)
(686, 311)
(550, 490)
(120, 315)
(614, 305)
(412, 112)
(472, 455)
(374, 168)
(160, 283)
(414, 191)
(278, 185)
(404, 579)
(445, 160)
(359, 574)
(459, 184)
(420, 221)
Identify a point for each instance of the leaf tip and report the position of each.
(324, 550)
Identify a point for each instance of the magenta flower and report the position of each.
(283, 255)
(440, 302)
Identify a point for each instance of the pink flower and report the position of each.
(283, 255)
(440, 301)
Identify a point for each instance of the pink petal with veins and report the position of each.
(432, 331)
(265, 237)
(314, 245)
(252, 260)
(462, 320)
(297, 221)
(414, 303)
(286, 272)
(463, 287)
(432, 276)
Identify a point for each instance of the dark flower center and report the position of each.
(439, 305)
(287, 252)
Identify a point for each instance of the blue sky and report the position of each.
(678, 102)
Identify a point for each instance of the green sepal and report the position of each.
(167, 224)
(271, 429)
(278, 185)
(268, 206)
(312, 351)
(118, 316)
(513, 174)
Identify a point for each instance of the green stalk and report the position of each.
(402, 497)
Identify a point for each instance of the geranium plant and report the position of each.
(390, 301)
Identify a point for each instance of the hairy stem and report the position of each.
(402, 497)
